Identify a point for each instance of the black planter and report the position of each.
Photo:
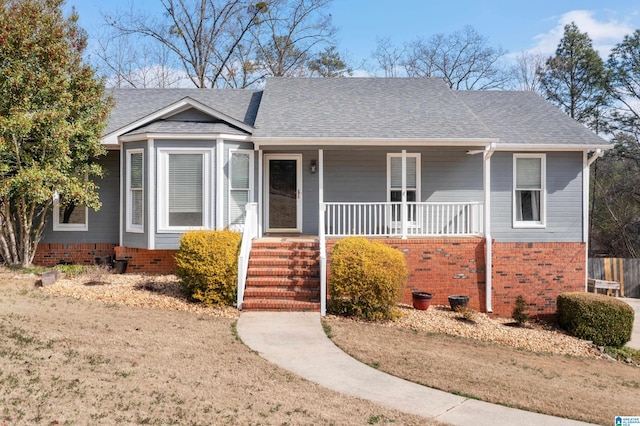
(120, 266)
(104, 260)
(458, 302)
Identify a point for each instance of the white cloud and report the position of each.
(605, 33)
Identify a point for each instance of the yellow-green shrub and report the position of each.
(604, 320)
(366, 279)
(207, 265)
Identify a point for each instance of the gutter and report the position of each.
(597, 154)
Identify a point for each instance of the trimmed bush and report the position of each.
(604, 320)
(366, 279)
(207, 265)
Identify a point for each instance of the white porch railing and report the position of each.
(248, 234)
(403, 220)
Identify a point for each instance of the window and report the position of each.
(240, 184)
(394, 182)
(69, 217)
(135, 190)
(183, 193)
(529, 190)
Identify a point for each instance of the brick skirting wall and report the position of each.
(148, 261)
(442, 266)
(81, 254)
(537, 271)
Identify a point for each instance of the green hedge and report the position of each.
(366, 279)
(207, 265)
(604, 320)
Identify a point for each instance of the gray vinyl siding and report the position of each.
(164, 240)
(451, 175)
(103, 224)
(564, 221)
(192, 114)
(136, 239)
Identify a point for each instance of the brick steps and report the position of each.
(283, 276)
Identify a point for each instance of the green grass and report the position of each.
(623, 353)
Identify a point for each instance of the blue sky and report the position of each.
(512, 24)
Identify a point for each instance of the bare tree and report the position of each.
(463, 59)
(525, 71)
(203, 35)
(293, 33)
(388, 57)
(132, 62)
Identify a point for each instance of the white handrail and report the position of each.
(398, 219)
(248, 234)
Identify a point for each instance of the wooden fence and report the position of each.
(624, 271)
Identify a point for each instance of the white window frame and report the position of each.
(163, 185)
(131, 227)
(543, 193)
(57, 226)
(415, 155)
(251, 179)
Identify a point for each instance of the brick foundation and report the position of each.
(148, 261)
(442, 266)
(82, 254)
(537, 271)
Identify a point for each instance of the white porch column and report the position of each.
(403, 209)
(321, 232)
(486, 176)
(260, 192)
(586, 166)
(219, 184)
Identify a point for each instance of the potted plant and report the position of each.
(458, 301)
(421, 300)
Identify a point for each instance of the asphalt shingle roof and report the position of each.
(365, 108)
(135, 104)
(525, 118)
(360, 108)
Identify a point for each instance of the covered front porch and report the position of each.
(418, 193)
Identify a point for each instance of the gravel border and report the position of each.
(165, 292)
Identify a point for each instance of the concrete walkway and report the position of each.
(635, 334)
(297, 343)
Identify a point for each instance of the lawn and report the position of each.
(70, 361)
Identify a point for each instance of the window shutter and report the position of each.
(528, 173)
(185, 183)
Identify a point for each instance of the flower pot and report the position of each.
(104, 260)
(120, 266)
(421, 300)
(458, 302)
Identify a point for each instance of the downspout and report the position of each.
(486, 171)
(587, 162)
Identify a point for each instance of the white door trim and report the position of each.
(298, 158)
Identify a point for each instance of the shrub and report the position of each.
(520, 311)
(604, 320)
(207, 265)
(366, 279)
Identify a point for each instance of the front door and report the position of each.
(283, 189)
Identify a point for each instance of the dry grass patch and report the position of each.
(530, 377)
(66, 360)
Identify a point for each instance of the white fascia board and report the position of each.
(551, 147)
(262, 141)
(185, 136)
(172, 109)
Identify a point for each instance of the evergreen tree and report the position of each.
(575, 78)
(52, 114)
